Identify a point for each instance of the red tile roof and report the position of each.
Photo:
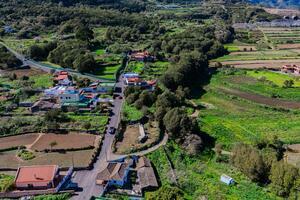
(32, 174)
(61, 77)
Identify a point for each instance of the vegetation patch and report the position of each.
(25, 155)
(6, 182)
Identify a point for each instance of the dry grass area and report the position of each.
(292, 155)
(26, 72)
(282, 12)
(80, 158)
(64, 141)
(256, 64)
(130, 142)
(287, 46)
(18, 140)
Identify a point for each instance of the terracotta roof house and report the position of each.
(146, 175)
(290, 68)
(141, 56)
(115, 173)
(36, 177)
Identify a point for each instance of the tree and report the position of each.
(84, 33)
(85, 63)
(87, 126)
(250, 161)
(52, 144)
(283, 177)
(166, 192)
(288, 83)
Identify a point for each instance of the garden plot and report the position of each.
(81, 158)
(17, 141)
(64, 141)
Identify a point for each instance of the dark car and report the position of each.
(112, 130)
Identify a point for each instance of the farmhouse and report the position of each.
(62, 78)
(115, 173)
(36, 177)
(141, 56)
(291, 69)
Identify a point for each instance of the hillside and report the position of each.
(278, 3)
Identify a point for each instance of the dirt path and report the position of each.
(28, 147)
(279, 103)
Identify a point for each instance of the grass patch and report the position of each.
(42, 81)
(6, 182)
(26, 155)
(276, 78)
(232, 47)
(130, 113)
(97, 122)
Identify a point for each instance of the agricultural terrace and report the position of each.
(148, 70)
(40, 149)
(108, 64)
(200, 176)
(64, 141)
(242, 109)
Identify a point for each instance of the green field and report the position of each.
(97, 122)
(200, 176)
(135, 66)
(261, 55)
(231, 119)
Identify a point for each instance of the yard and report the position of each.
(130, 142)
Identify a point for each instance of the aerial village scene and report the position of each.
(154, 100)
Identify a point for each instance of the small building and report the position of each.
(143, 135)
(115, 173)
(106, 87)
(43, 105)
(226, 179)
(62, 78)
(290, 68)
(69, 96)
(36, 177)
(146, 175)
(141, 56)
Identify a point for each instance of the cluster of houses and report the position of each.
(65, 95)
(295, 69)
(133, 79)
(119, 175)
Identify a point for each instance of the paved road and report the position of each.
(38, 65)
(86, 179)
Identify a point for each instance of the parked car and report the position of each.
(112, 130)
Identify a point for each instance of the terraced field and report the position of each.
(239, 118)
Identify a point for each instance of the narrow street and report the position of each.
(87, 179)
